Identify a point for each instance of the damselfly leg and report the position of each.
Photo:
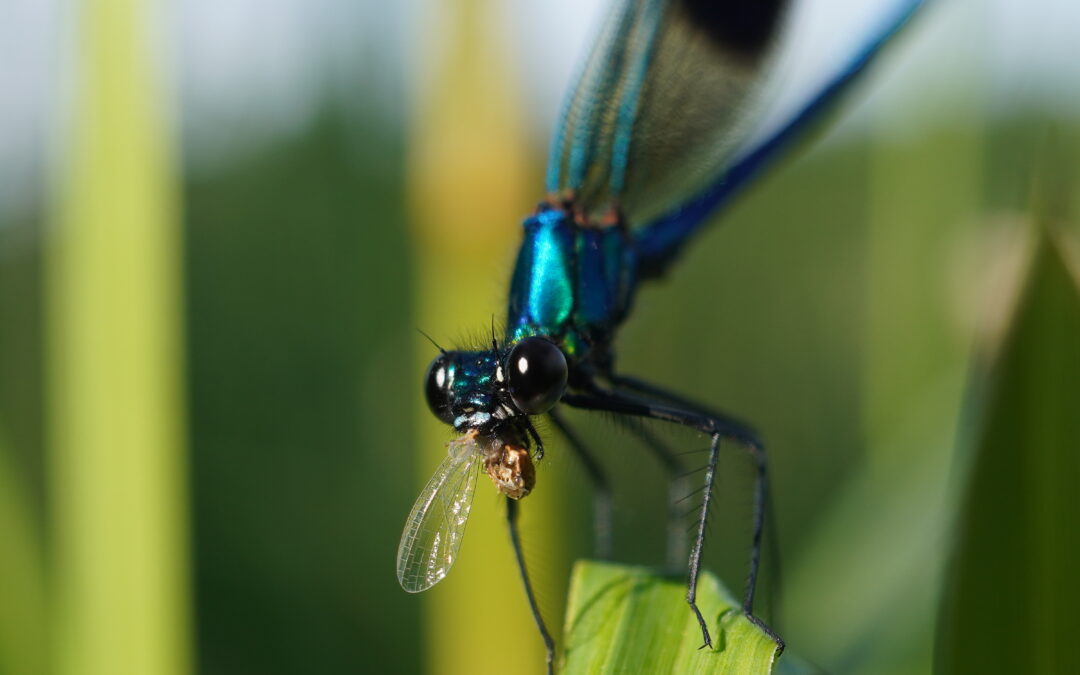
(653, 403)
(519, 555)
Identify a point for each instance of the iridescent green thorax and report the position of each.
(572, 283)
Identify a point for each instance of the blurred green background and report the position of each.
(211, 421)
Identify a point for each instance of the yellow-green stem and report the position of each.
(115, 405)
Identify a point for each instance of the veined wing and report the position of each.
(821, 86)
(653, 115)
(433, 532)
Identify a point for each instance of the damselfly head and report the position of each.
(486, 389)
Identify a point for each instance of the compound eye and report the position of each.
(437, 388)
(538, 374)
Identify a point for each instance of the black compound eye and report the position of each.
(437, 388)
(537, 371)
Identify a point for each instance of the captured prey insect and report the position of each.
(657, 134)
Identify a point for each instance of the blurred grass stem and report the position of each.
(114, 395)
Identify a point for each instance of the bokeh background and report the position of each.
(222, 223)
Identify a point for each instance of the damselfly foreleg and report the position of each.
(603, 518)
(519, 555)
(650, 404)
(742, 431)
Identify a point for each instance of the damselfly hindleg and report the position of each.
(652, 403)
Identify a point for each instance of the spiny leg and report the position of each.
(761, 502)
(519, 555)
(752, 443)
(699, 539)
(679, 411)
(677, 491)
(602, 505)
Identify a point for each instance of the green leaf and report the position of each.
(622, 619)
(1012, 590)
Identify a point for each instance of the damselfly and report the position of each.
(656, 135)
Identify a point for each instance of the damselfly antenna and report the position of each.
(432, 341)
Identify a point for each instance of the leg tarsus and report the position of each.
(768, 631)
(706, 639)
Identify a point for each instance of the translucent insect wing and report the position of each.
(679, 105)
(789, 112)
(436, 525)
(655, 111)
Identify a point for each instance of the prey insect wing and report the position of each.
(436, 525)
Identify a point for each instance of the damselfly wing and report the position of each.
(661, 103)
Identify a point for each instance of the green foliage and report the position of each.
(623, 619)
(301, 419)
(1010, 600)
(22, 614)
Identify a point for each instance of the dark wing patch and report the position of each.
(744, 26)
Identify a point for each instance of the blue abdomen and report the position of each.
(571, 283)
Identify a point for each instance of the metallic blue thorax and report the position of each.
(572, 283)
